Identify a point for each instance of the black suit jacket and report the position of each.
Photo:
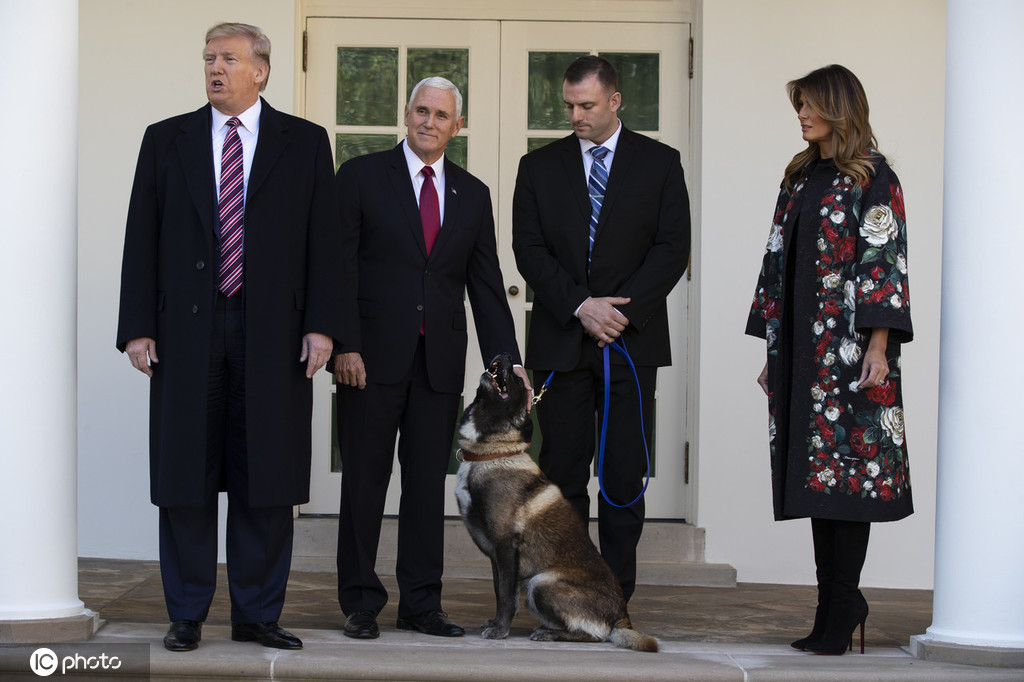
(641, 249)
(391, 286)
(169, 286)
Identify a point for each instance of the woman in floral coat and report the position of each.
(833, 303)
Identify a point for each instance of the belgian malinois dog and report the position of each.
(535, 539)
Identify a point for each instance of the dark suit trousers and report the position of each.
(259, 540)
(570, 420)
(369, 421)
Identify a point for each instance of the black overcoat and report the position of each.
(168, 290)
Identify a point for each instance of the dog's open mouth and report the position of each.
(499, 378)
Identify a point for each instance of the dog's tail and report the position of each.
(623, 635)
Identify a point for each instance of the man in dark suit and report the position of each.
(601, 232)
(418, 232)
(228, 273)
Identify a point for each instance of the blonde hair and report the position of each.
(835, 94)
(259, 43)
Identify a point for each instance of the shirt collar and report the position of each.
(416, 164)
(250, 118)
(608, 144)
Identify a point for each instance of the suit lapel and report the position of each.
(575, 174)
(625, 153)
(401, 185)
(196, 151)
(452, 205)
(273, 138)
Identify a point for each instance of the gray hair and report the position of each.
(441, 84)
(259, 43)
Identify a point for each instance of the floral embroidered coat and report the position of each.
(835, 268)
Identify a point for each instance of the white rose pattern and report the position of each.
(849, 351)
(879, 225)
(892, 424)
(775, 238)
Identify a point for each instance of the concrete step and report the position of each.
(400, 655)
(670, 553)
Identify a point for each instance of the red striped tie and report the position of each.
(231, 205)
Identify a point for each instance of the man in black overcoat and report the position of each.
(229, 304)
(636, 215)
(418, 234)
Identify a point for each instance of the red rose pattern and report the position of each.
(896, 192)
(866, 450)
(885, 394)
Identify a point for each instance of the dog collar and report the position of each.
(467, 456)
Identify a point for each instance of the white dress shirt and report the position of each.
(248, 132)
(609, 144)
(416, 165)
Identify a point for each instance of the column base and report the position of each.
(77, 628)
(927, 648)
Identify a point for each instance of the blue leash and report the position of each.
(621, 349)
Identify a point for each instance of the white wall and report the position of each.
(749, 133)
(140, 62)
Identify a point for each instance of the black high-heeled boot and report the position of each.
(824, 557)
(847, 611)
(847, 608)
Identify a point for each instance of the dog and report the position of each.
(534, 538)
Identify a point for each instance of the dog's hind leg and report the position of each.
(565, 614)
(505, 568)
(546, 634)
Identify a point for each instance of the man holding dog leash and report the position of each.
(601, 232)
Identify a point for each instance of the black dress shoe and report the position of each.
(268, 634)
(183, 635)
(362, 625)
(431, 623)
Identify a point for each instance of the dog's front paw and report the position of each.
(493, 629)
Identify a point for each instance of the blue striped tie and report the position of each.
(597, 183)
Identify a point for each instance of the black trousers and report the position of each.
(368, 422)
(570, 421)
(259, 539)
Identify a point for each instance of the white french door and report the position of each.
(360, 72)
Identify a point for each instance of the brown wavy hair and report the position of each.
(837, 96)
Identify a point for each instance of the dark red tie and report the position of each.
(230, 206)
(430, 211)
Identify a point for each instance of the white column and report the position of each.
(979, 541)
(38, 301)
